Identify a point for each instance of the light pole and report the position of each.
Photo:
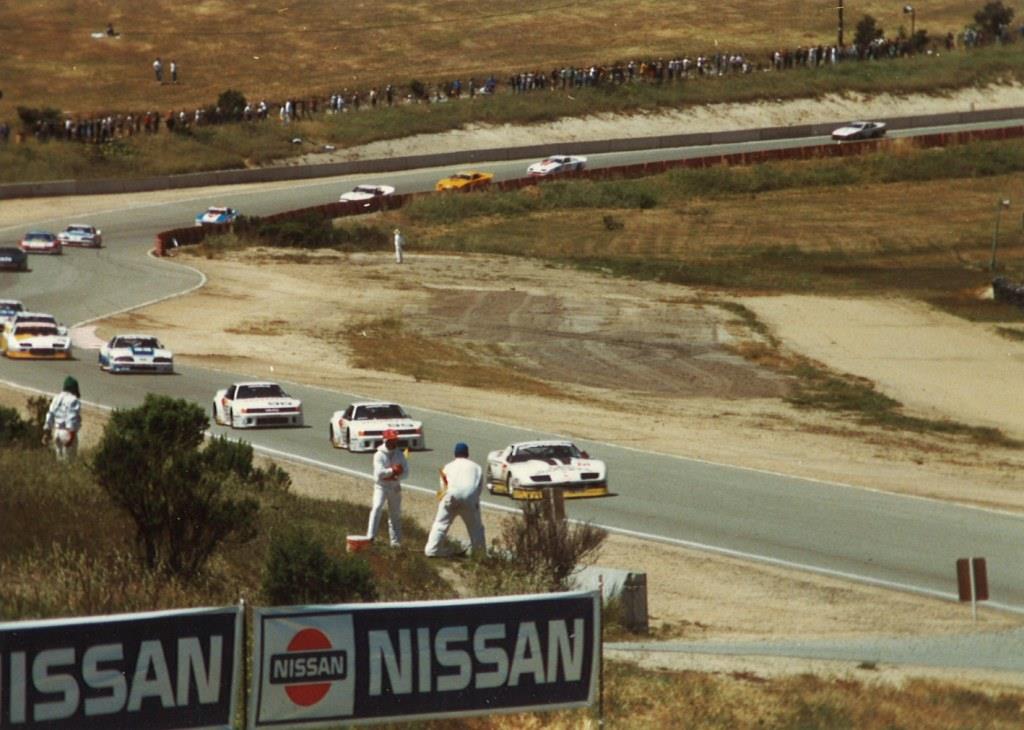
(839, 8)
(1000, 206)
(909, 10)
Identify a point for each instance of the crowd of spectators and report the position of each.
(106, 127)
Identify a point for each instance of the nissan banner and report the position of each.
(160, 671)
(317, 666)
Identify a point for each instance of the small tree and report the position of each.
(549, 549)
(184, 503)
(994, 18)
(867, 31)
(231, 103)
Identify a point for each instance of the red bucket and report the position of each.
(358, 543)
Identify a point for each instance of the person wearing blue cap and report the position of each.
(64, 420)
(459, 496)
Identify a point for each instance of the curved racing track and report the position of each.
(901, 542)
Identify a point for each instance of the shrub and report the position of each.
(311, 231)
(182, 503)
(13, 428)
(536, 553)
(231, 103)
(299, 570)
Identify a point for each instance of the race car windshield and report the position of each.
(365, 189)
(79, 229)
(137, 342)
(35, 330)
(261, 391)
(378, 412)
(39, 237)
(545, 452)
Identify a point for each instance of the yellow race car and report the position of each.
(465, 181)
(36, 341)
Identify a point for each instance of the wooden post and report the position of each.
(556, 504)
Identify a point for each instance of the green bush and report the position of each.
(311, 231)
(183, 503)
(299, 570)
(13, 428)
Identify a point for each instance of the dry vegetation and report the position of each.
(276, 50)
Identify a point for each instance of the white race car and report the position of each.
(135, 354)
(36, 341)
(524, 470)
(366, 194)
(556, 164)
(251, 405)
(81, 234)
(360, 427)
(859, 130)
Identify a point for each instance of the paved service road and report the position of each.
(903, 542)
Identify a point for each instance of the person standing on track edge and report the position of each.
(389, 465)
(461, 484)
(64, 420)
(399, 246)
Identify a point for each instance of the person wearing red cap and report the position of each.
(389, 465)
(462, 481)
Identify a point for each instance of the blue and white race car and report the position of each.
(135, 354)
(216, 214)
(81, 234)
(9, 308)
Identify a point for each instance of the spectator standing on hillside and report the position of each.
(399, 246)
(64, 420)
(389, 465)
(158, 70)
(174, 71)
(459, 496)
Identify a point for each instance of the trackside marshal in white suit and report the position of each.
(389, 465)
(461, 484)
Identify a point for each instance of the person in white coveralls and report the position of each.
(459, 495)
(64, 420)
(389, 466)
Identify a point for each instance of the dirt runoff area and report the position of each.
(623, 350)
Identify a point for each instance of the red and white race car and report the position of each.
(556, 164)
(524, 470)
(361, 426)
(40, 242)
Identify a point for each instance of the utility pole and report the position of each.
(839, 8)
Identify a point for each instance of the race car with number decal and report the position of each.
(524, 470)
(859, 130)
(361, 426)
(135, 354)
(13, 259)
(253, 405)
(9, 309)
(82, 235)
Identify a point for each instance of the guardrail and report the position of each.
(168, 240)
(383, 165)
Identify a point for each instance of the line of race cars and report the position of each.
(76, 235)
(521, 470)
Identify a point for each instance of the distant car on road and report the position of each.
(361, 426)
(468, 180)
(366, 194)
(9, 309)
(252, 405)
(524, 470)
(13, 259)
(40, 242)
(81, 234)
(216, 214)
(859, 130)
(135, 354)
(556, 164)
